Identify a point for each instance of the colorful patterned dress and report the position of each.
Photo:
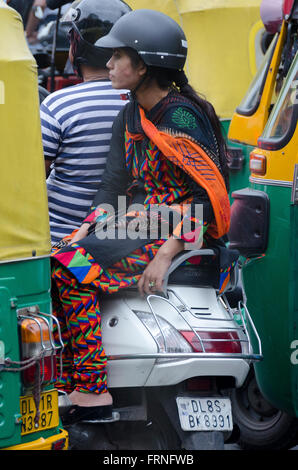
(79, 277)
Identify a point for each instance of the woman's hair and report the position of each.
(166, 78)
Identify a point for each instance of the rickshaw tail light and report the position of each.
(287, 8)
(214, 341)
(37, 351)
(257, 163)
(46, 368)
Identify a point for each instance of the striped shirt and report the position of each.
(76, 127)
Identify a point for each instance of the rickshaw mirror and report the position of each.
(272, 15)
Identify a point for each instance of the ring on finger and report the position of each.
(151, 284)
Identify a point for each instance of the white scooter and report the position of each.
(173, 360)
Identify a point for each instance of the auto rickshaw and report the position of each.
(264, 228)
(29, 403)
(251, 115)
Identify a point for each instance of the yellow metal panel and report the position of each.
(247, 129)
(43, 444)
(24, 227)
(196, 5)
(280, 163)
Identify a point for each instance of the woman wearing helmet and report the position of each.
(167, 152)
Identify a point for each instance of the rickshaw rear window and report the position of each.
(283, 119)
(251, 100)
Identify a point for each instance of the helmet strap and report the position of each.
(145, 76)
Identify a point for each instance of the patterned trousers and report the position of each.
(76, 307)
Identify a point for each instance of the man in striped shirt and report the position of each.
(77, 121)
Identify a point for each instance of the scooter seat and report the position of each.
(214, 268)
(196, 275)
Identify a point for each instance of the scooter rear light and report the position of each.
(214, 341)
(37, 351)
(168, 339)
(257, 163)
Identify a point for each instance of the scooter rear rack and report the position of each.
(162, 352)
(244, 323)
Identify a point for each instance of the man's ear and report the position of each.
(142, 69)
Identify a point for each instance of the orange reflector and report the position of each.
(257, 163)
(31, 331)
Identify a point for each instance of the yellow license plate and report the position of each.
(49, 415)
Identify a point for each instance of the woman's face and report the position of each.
(122, 73)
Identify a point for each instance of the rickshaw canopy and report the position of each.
(223, 45)
(24, 229)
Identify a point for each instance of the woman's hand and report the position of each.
(81, 233)
(154, 274)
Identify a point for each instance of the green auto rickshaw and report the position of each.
(29, 418)
(264, 228)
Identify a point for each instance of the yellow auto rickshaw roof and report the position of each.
(24, 228)
(196, 5)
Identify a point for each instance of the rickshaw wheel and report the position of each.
(261, 426)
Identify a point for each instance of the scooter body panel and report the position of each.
(124, 334)
(172, 373)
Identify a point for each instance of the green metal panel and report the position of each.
(293, 300)
(239, 179)
(266, 282)
(9, 382)
(22, 283)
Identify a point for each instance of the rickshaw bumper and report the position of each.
(57, 442)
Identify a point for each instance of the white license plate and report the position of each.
(205, 414)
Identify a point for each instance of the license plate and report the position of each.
(205, 414)
(49, 415)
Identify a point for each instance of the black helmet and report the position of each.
(157, 38)
(88, 20)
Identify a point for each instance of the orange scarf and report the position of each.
(195, 162)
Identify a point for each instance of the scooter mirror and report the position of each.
(271, 15)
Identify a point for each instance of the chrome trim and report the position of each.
(165, 54)
(54, 348)
(179, 356)
(24, 259)
(33, 313)
(294, 195)
(269, 182)
(44, 349)
(183, 307)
